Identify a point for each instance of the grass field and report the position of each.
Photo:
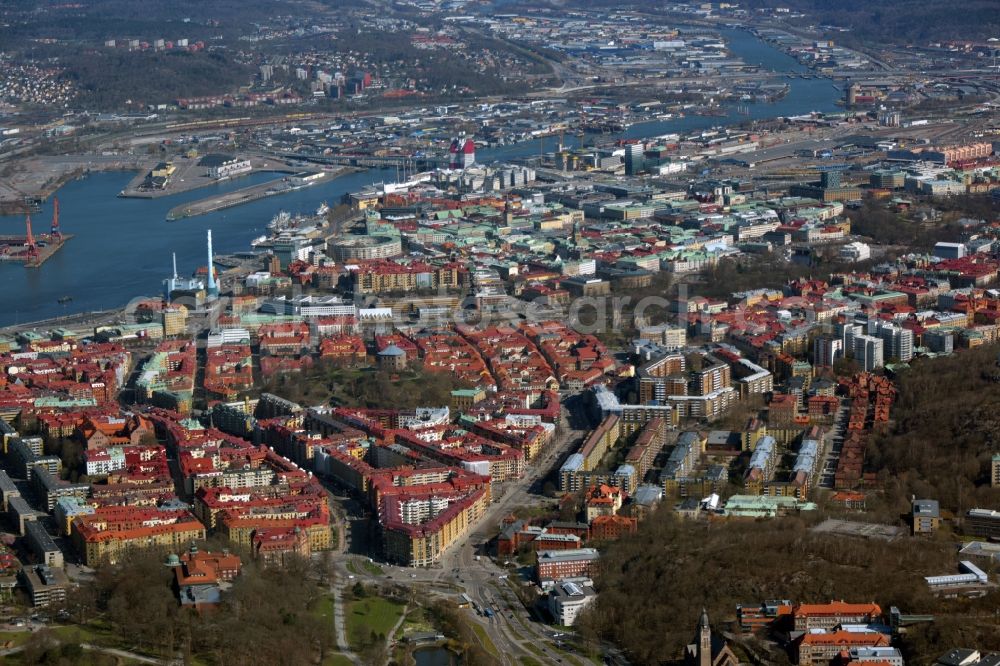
(337, 660)
(361, 567)
(370, 615)
(484, 639)
(323, 608)
(372, 568)
(14, 638)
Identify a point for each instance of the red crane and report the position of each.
(56, 234)
(30, 238)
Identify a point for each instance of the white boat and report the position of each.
(279, 221)
(323, 209)
(257, 242)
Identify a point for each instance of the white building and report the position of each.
(856, 251)
(882, 655)
(868, 352)
(567, 600)
(230, 168)
(309, 306)
(897, 341)
(104, 461)
(949, 250)
(418, 511)
(228, 336)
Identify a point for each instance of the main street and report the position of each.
(467, 568)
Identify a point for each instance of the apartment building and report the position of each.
(45, 586)
(416, 530)
(559, 564)
(868, 352)
(104, 536)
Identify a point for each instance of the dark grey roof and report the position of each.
(955, 657)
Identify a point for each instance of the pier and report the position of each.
(16, 248)
(247, 194)
(34, 249)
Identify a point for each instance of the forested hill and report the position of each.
(653, 585)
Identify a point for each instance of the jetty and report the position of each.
(244, 195)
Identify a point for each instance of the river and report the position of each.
(804, 96)
(121, 247)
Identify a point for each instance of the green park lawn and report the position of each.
(368, 615)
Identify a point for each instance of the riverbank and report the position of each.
(27, 184)
(189, 174)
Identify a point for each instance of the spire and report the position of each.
(704, 640)
(175, 264)
(212, 289)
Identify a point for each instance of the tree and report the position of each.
(323, 569)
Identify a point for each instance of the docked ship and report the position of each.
(285, 225)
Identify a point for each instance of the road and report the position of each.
(512, 627)
(834, 443)
(121, 654)
(466, 568)
(339, 625)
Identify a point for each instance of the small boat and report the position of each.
(64, 299)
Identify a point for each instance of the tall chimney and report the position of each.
(212, 289)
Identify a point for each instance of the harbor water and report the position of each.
(121, 247)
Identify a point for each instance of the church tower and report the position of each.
(704, 640)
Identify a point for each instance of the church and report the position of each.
(708, 650)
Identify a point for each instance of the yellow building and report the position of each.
(421, 544)
(465, 399)
(163, 170)
(175, 321)
(241, 530)
(109, 546)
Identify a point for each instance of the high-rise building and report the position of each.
(634, 161)
(868, 352)
(846, 332)
(995, 470)
(174, 321)
(940, 341)
(897, 341)
(826, 350)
